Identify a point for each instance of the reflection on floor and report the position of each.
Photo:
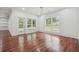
(3, 35)
(37, 42)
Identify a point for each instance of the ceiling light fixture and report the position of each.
(23, 8)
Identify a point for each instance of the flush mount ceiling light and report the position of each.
(23, 8)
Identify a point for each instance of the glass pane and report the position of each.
(34, 23)
(48, 21)
(29, 25)
(29, 21)
(54, 19)
(52, 24)
(21, 22)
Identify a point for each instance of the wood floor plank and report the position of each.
(36, 42)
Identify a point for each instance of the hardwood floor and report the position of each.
(3, 35)
(37, 42)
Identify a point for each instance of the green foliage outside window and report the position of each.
(21, 22)
(48, 21)
(52, 24)
(31, 23)
(34, 23)
(51, 21)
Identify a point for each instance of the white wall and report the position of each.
(68, 21)
(41, 23)
(77, 23)
(13, 21)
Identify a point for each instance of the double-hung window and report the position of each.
(21, 24)
(52, 24)
(31, 23)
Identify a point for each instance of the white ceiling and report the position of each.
(5, 11)
(38, 10)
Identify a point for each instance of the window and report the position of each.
(52, 24)
(31, 23)
(21, 22)
(48, 21)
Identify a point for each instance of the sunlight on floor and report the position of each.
(21, 43)
(52, 42)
